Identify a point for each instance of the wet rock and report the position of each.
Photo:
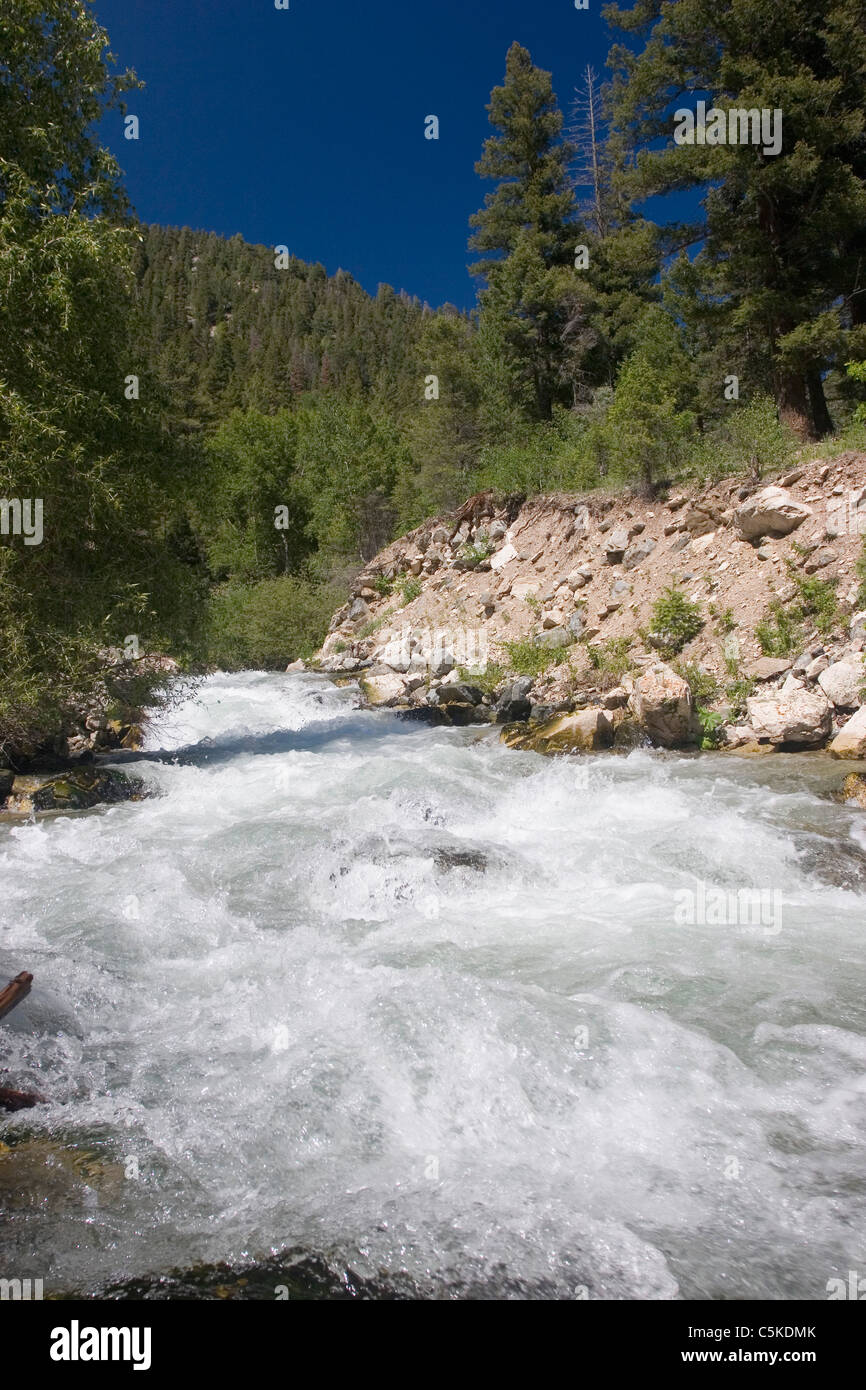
(853, 790)
(850, 742)
(584, 731)
(513, 704)
(802, 718)
(383, 688)
(78, 789)
(770, 512)
(662, 705)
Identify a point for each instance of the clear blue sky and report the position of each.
(306, 126)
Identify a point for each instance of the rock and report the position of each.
(575, 624)
(459, 693)
(497, 530)
(616, 546)
(582, 732)
(802, 717)
(615, 699)
(858, 626)
(850, 742)
(681, 542)
(853, 789)
(440, 536)
(513, 703)
(819, 560)
(662, 704)
(76, 790)
(767, 667)
(359, 612)
(554, 617)
(383, 689)
(770, 512)
(637, 553)
(814, 669)
(843, 682)
(701, 520)
(553, 638)
(298, 665)
(576, 579)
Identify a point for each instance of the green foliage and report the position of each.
(410, 588)
(472, 554)
(711, 722)
(525, 658)
(648, 425)
(610, 659)
(487, 680)
(737, 692)
(266, 625)
(861, 575)
(703, 684)
(818, 602)
(676, 620)
(781, 632)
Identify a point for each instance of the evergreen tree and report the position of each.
(527, 234)
(778, 250)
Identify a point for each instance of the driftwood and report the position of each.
(15, 991)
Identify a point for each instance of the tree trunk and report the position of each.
(792, 402)
(821, 421)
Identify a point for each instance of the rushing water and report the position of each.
(432, 1011)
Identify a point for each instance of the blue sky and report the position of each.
(306, 126)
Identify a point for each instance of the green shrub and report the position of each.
(268, 624)
(410, 588)
(780, 633)
(526, 659)
(711, 722)
(611, 659)
(383, 585)
(703, 684)
(818, 602)
(675, 621)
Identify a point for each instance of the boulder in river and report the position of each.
(77, 789)
(582, 732)
(843, 683)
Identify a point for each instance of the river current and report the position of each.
(437, 1015)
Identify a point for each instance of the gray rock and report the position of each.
(637, 553)
(553, 638)
(616, 546)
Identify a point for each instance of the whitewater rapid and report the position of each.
(427, 1008)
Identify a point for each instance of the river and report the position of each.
(437, 1015)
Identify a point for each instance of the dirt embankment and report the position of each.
(548, 606)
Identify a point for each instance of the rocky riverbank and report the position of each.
(729, 616)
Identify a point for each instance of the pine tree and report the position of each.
(526, 231)
(778, 250)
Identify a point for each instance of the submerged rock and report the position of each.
(853, 789)
(76, 790)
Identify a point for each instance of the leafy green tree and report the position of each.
(108, 468)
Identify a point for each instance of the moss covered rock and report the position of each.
(584, 731)
(75, 790)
